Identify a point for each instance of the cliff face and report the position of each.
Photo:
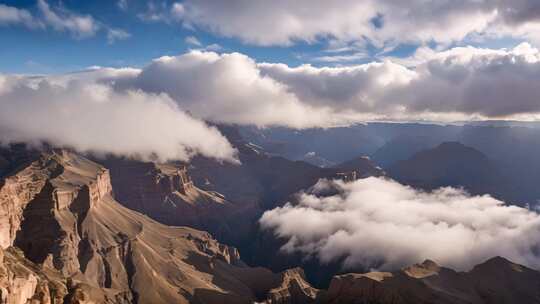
(60, 211)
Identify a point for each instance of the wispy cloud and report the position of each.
(59, 19)
(114, 35)
(192, 40)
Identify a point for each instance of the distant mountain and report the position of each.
(402, 148)
(450, 164)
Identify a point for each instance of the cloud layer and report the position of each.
(89, 116)
(458, 84)
(228, 88)
(379, 223)
(381, 22)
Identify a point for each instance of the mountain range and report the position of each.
(78, 228)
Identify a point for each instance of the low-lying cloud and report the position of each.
(91, 116)
(380, 223)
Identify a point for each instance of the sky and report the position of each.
(297, 64)
(151, 32)
(149, 29)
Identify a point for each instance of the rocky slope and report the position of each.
(166, 193)
(59, 210)
(494, 281)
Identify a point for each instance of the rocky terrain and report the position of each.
(494, 281)
(67, 239)
(166, 193)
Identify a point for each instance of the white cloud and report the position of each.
(80, 26)
(461, 83)
(193, 41)
(78, 112)
(228, 88)
(122, 4)
(59, 19)
(114, 35)
(458, 84)
(378, 21)
(379, 223)
(177, 10)
(214, 47)
(12, 15)
(342, 58)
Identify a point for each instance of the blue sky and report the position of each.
(45, 50)
(40, 51)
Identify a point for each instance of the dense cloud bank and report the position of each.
(380, 22)
(458, 84)
(93, 117)
(379, 223)
(144, 111)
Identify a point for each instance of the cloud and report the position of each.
(378, 21)
(228, 88)
(12, 15)
(59, 19)
(122, 5)
(80, 26)
(193, 41)
(114, 35)
(460, 83)
(78, 112)
(380, 223)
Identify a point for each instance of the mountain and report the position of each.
(316, 160)
(65, 237)
(450, 164)
(494, 281)
(402, 148)
(362, 166)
